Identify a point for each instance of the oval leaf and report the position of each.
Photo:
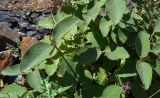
(88, 54)
(46, 22)
(34, 56)
(63, 27)
(156, 65)
(115, 53)
(145, 73)
(116, 9)
(123, 36)
(105, 26)
(12, 70)
(96, 39)
(93, 12)
(13, 91)
(142, 44)
(112, 91)
(157, 25)
(51, 68)
(156, 48)
(34, 80)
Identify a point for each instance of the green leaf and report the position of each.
(35, 55)
(62, 89)
(69, 70)
(68, 66)
(71, 33)
(60, 15)
(13, 91)
(96, 39)
(142, 44)
(93, 12)
(136, 16)
(88, 54)
(157, 25)
(34, 80)
(101, 78)
(51, 68)
(115, 53)
(88, 74)
(112, 91)
(126, 75)
(156, 49)
(114, 37)
(46, 22)
(156, 65)
(82, 26)
(116, 9)
(74, 2)
(12, 70)
(145, 73)
(46, 39)
(123, 36)
(63, 27)
(105, 26)
(4, 95)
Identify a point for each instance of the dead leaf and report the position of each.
(5, 59)
(26, 43)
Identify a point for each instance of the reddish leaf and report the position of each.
(5, 59)
(26, 43)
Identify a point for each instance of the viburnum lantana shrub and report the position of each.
(96, 49)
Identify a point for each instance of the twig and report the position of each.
(154, 94)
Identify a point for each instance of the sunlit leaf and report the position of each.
(12, 70)
(105, 26)
(112, 91)
(123, 36)
(142, 44)
(136, 16)
(34, 80)
(63, 27)
(116, 9)
(156, 65)
(101, 76)
(93, 12)
(115, 53)
(62, 89)
(13, 91)
(156, 48)
(157, 25)
(46, 22)
(145, 73)
(51, 68)
(34, 56)
(88, 74)
(127, 75)
(96, 39)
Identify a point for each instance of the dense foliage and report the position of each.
(96, 49)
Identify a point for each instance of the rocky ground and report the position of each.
(17, 30)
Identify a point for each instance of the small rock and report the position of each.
(8, 33)
(7, 36)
